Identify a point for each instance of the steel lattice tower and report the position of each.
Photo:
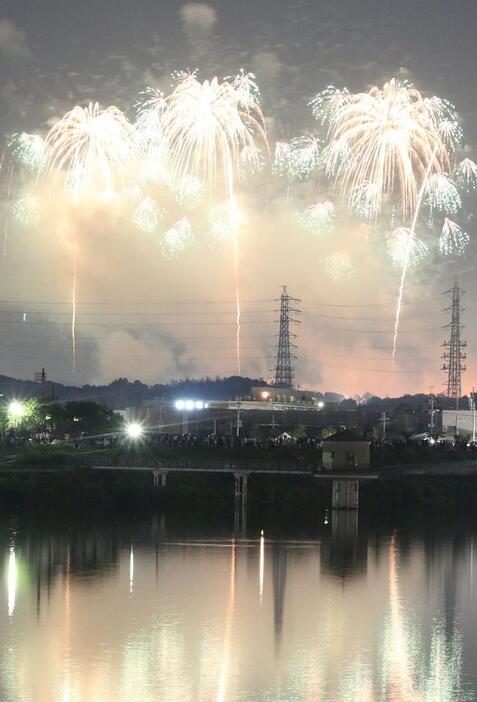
(284, 367)
(453, 356)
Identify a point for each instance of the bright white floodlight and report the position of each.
(134, 431)
(189, 405)
(16, 409)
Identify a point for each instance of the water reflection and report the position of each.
(279, 565)
(229, 621)
(131, 570)
(12, 580)
(261, 571)
(143, 614)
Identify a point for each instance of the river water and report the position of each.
(142, 612)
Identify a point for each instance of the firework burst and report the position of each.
(304, 157)
(364, 200)
(147, 215)
(26, 210)
(91, 147)
(87, 152)
(453, 239)
(148, 132)
(393, 138)
(327, 104)
(207, 126)
(246, 87)
(400, 143)
(189, 192)
(442, 194)
(466, 174)
(176, 239)
(28, 150)
(338, 266)
(403, 244)
(318, 218)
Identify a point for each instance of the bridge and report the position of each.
(345, 484)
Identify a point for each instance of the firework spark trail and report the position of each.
(73, 308)
(398, 141)
(86, 153)
(236, 255)
(207, 126)
(407, 257)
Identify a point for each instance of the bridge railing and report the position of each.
(185, 464)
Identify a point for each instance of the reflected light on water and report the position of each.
(401, 682)
(131, 570)
(229, 620)
(12, 581)
(318, 633)
(261, 570)
(410, 679)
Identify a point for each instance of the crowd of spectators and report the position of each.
(227, 441)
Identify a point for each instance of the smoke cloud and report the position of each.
(198, 19)
(13, 41)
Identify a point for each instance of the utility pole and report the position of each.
(453, 355)
(383, 421)
(431, 388)
(238, 419)
(284, 367)
(41, 378)
(473, 415)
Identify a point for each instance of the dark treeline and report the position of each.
(121, 393)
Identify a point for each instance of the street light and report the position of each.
(16, 409)
(134, 430)
(189, 405)
(186, 406)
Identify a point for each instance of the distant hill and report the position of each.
(123, 393)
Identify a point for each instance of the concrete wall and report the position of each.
(345, 494)
(457, 422)
(345, 454)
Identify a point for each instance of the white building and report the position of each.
(458, 422)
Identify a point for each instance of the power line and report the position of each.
(365, 319)
(129, 324)
(139, 314)
(376, 304)
(133, 304)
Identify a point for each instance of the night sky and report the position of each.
(58, 53)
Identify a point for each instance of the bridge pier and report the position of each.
(162, 474)
(240, 501)
(345, 494)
